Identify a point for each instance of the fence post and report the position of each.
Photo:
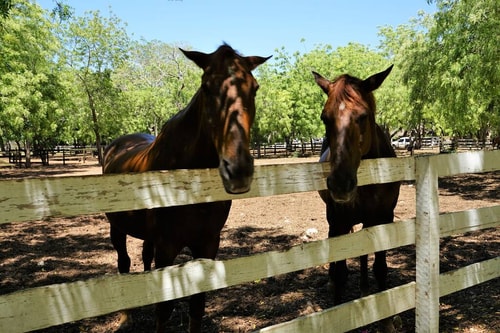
(427, 246)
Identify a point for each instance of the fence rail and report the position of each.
(47, 306)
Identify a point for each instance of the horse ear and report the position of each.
(321, 81)
(255, 61)
(199, 58)
(374, 81)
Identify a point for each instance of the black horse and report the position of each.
(353, 135)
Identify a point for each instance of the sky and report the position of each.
(256, 27)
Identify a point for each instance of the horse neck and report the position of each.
(380, 146)
(184, 141)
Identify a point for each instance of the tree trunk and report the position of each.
(97, 136)
(27, 151)
(95, 127)
(44, 156)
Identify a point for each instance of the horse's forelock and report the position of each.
(346, 90)
(225, 51)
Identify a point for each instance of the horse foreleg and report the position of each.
(380, 272)
(337, 271)
(363, 282)
(207, 249)
(196, 312)
(338, 278)
(148, 252)
(164, 256)
(163, 312)
(119, 241)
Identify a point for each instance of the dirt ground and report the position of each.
(61, 250)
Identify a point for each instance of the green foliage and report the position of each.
(158, 81)
(402, 44)
(5, 6)
(93, 47)
(450, 65)
(31, 94)
(82, 80)
(289, 101)
(465, 43)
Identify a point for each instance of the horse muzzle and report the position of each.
(237, 187)
(236, 177)
(342, 189)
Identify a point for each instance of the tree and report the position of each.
(274, 101)
(289, 102)
(158, 81)
(30, 89)
(5, 6)
(465, 39)
(451, 67)
(403, 46)
(356, 60)
(94, 46)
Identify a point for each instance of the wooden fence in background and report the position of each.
(287, 149)
(32, 199)
(464, 144)
(65, 155)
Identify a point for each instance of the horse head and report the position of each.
(228, 91)
(349, 118)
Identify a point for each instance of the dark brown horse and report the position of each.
(351, 136)
(212, 131)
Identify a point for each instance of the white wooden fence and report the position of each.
(31, 199)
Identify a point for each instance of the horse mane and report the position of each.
(348, 89)
(226, 48)
(224, 51)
